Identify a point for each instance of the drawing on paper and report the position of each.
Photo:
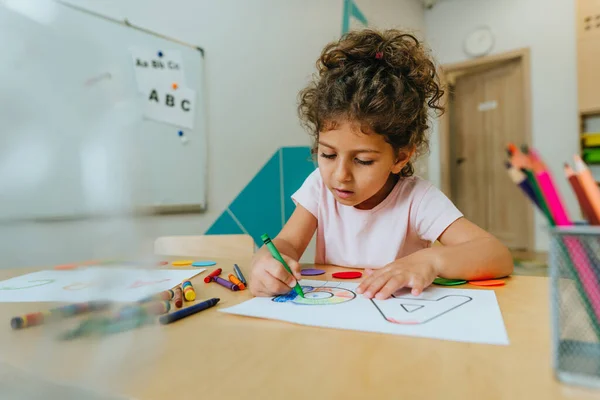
(463, 315)
(92, 284)
(317, 296)
(407, 310)
(414, 311)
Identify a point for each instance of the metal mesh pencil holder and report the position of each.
(575, 304)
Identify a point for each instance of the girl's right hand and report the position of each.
(268, 277)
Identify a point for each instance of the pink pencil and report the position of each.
(548, 188)
(553, 200)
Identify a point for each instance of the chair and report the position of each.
(208, 246)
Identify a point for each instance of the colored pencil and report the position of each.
(522, 161)
(517, 158)
(520, 179)
(589, 185)
(582, 199)
(576, 253)
(548, 188)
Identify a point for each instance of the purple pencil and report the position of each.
(227, 284)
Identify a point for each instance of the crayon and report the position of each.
(216, 272)
(177, 315)
(56, 314)
(236, 282)
(275, 253)
(189, 293)
(178, 297)
(225, 283)
(239, 274)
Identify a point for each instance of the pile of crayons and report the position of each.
(579, 254)
(183, 291)
(236, 282)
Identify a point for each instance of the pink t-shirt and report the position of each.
(410, 218)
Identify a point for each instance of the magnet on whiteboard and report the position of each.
(175, 85)
(183, 138)
(160, 53)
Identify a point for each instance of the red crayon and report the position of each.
(216, 272)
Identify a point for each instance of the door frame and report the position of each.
(448, 74)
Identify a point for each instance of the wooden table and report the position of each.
(214, 355)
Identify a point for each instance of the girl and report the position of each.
(368, 110)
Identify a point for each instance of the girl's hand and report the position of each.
(268, 277)
(404, 272)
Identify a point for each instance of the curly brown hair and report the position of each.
(384, 80)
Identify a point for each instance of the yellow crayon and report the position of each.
(188, 291)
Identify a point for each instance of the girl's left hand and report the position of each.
(382, 283)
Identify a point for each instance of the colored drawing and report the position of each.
(464, 315)
(28, 284)
(321, 296)
(92, 284)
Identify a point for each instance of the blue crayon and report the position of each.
(177, 315)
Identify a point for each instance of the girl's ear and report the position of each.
(404, 156)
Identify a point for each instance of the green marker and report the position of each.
(275, 253)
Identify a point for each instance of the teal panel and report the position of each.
(346, 16)
(356, 13)
(224, 225)
(351, 10)
(258, 207)
(297, 165)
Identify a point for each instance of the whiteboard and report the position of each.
(73, 137)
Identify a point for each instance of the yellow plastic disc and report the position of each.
(180, 263)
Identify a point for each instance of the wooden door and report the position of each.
(486, 113)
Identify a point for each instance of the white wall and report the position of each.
(259, 54)
(547, 27)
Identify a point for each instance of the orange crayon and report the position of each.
(233, 279)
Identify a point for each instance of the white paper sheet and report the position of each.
(89, 284)
(151, 69)
(463, 315)
(172, 106)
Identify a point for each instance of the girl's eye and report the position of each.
(328, 156)
(363, 162)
